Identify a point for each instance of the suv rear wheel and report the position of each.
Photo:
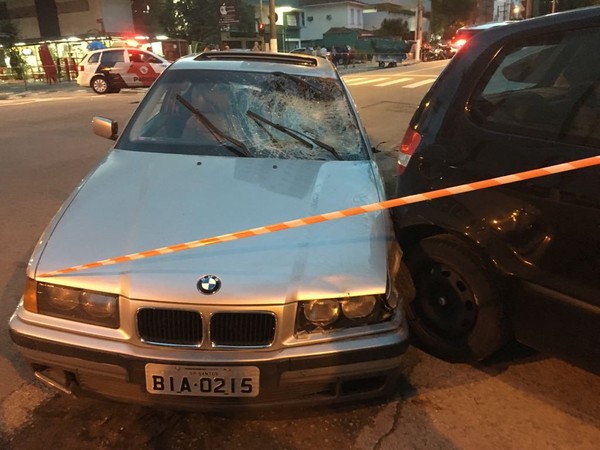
(99, 85)
(456, 313)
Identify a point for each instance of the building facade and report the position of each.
(56, 19)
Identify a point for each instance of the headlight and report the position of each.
(340, 313)
(322, 312)
(98, 305)
(80, 305)
(359, 307)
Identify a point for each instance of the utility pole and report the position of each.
(272, 26)
(418, 30)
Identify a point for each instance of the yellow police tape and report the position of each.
(469, 187)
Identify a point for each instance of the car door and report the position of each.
(113, 66)
(144, 68)
(522, 115)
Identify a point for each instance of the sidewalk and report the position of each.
(18, 88)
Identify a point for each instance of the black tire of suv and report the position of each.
(457, 313)
(102, 81)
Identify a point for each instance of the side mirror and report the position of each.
(105, 127)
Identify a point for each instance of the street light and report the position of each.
(517, 9)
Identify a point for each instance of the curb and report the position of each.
(11, 90)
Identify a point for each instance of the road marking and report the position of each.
(389, 83)
(419, 83)
(372, 80)
(353, 79)
(27, 101)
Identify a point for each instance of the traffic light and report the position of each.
(261, 28)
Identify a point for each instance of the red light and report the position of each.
(81, 68)
(409, 144)
(460, 42)
(261, 27)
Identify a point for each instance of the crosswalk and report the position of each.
(409, 82)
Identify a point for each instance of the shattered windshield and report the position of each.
(246, 114)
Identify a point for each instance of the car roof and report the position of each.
(295, 63)
(549, 22)
(485, 26)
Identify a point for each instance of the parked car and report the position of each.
(519, 260)
(112, 69)
(223, 142)
(303, 51)
(343, 55)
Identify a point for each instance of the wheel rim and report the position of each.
(100, 85)
(444, 301)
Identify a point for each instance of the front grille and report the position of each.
(242, 329)
(170, 326)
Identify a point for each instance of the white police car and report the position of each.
(111, 69)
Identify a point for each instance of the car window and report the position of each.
(135, 56)
(94, 58)
(545, 87)
(274, 115)
(112, 56)
(139, 56)
(148, 58)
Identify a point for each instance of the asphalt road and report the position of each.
(519, 400)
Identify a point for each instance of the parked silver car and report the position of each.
(118, 302)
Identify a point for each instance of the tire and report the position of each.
(456, 314)
(99, 85)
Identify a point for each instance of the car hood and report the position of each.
(136, 201)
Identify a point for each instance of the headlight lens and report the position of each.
(80, 305)
(98, 305)
(359, 307)
(61, 298)
(322, 312)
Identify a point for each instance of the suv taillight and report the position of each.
(409, 144)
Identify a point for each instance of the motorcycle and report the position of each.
(436, 53)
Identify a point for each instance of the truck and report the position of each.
(388, 52)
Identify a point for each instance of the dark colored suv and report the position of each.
(518, 260)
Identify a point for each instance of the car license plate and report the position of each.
(207, 381)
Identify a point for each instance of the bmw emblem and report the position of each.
(209, 284)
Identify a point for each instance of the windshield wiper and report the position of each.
(299, 80)
(304, 138)
(240, 148)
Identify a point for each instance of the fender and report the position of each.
(510, 230)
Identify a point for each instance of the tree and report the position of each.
(198, 20)
(8, 36)
(393, 27)
(8, 31)
(449, 15)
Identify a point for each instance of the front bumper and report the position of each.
(335, 372)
